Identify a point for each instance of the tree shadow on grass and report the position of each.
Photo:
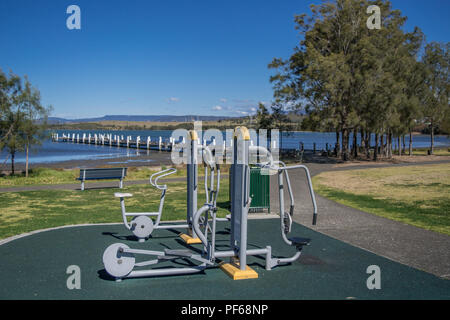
(418, 185)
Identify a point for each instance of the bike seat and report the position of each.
(122, 195)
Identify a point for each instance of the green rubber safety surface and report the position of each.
(34, 267)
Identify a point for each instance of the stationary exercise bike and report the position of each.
(142, 224)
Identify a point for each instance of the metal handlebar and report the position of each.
(271, 164)
(210, 161)
(308, 176)
(160, 174)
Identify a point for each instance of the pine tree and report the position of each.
(344, 70)
(436, 61)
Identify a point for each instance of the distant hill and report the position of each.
(156, 118)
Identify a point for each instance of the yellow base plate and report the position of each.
(189, 240)
(237, 274)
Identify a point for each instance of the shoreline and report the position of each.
(158, 158)
(154, 158)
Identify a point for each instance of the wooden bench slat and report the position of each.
(103, 172)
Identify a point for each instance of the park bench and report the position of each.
(102, 174)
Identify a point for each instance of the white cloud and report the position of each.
(174, 99)
(245, 111)
(240, 101)
(217, 108)
(223, 100)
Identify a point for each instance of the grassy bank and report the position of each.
(437, 152)
(32, 210)
(416, 195)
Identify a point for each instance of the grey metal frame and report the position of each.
(239, 216)
(192, 191)
(192, 183)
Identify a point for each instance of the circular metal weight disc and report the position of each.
(118, 264)
(142, 226)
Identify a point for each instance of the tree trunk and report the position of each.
(432, 139)
(338, 145)
(12, 163)
(363, 141)
(26, 161)
(367, 143)
(389, 149)
(386, 146)
(348, 144)
(403, 144)
(281, 142)
(355, 143)
(375, 151)
(410, 143)
(399, 142)
(345, 138)
(381, 144)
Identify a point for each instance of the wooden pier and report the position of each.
(121, 141)
(116, 141)
(126, 141)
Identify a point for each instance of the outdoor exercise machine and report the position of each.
(120, 260)
(142, 224)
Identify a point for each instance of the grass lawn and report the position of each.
(436, 152)
(32, 210)
(416, 195)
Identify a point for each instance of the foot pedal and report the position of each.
(300, 242)
(190, 240)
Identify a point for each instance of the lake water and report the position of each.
(63, 151)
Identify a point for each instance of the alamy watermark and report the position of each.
(74, 280)
(374, 280)
(74, 20)
(261, 148)
(374, 21)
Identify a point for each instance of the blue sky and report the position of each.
(163, 57)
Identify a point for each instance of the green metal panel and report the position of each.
(259, 190)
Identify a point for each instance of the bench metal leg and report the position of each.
(82, 185)
(121, 184)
